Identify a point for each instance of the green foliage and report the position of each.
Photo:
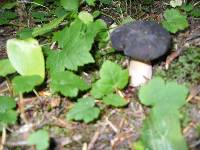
(85, 17)
(107, 2)
(48, 27)
(162, 129)
(91, 2)
(112, 78)
(84, 110)
(26, 57)
(185, 68)
(195, 12)
(8, 5)
(7, 114)
(70, 5)
(67, 83)
(6, 68)
(22, 84)
(114, 100)
(174, 20)
(40, 139)
(6, 17)
(75, 42)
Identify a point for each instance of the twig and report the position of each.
(3, 138)
(21, 108)
(114, 128)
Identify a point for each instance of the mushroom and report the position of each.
(142, 41)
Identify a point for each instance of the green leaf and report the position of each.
(84, 110)
(174, 20)
(67, 83)
(26, 57)
(70, 5)
(163, 133)
(162, 128)
(47, 27)
(9, 5)
(85, 17)
(22, 84)
(114, 100)
(6, 16)
(112, 78)
(90, 2)
(40, 139)
(187, 7)
(168, 95)
(6, 67)
(75, 42)
(7, 115)
(25, 33)
(195, 12)
(6, 103)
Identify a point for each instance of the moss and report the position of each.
(184, 69)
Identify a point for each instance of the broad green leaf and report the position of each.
(91, 2)
(112, 77)
(70, 5)
(6, 67)
(7, 114)
(163, 133)
(22, 84)
(26, 57)
(75, 42)
(174, 20)
(114, 100)
(85, 17)
(195, 12)
(187, 7)
(84, 110)
(6, 103)
(6, 16)
(47, 27)
(67, 83)
(162, 128)
(25, 33)
(40, 139)
(168, 95)
(9, 5)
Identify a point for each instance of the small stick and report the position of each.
(3, 138)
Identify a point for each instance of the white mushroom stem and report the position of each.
(139, 72)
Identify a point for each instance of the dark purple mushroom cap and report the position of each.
(141, 40)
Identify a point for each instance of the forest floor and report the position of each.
(117, 128)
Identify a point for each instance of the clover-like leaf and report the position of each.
(7, 114)
(112, 77)
(114, 100)
(161, 129)
(6, 67)
(26, 57)
(91, 2)
(40, 139)
(70, 5)
(6, 103)
(174, 20)
(75, 42)
(163, 133)
(22, 84)
(84, 110)
(67, 83)
(160, 94)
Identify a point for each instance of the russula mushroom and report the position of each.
(142, 41)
